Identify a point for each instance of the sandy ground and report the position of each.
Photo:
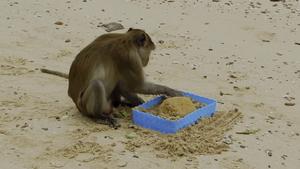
(243, 53)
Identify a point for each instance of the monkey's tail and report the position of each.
(53, 72)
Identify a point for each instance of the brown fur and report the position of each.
(111, 67)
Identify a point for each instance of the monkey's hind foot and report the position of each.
(113, 122)
(108, 120)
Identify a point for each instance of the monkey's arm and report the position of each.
(64, 75)
(156, 89)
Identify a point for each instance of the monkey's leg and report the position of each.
(130, 99)
(96, 104)
(116, 97)
(156, 89)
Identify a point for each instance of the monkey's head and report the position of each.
(142, 41)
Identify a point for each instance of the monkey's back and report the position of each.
(95, 61)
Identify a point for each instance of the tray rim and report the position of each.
(172, 126)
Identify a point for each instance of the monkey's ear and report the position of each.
(130, 29)
(140, 40)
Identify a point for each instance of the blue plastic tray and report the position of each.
(165, 126)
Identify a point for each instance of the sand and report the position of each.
(174, 108)
(244, 54)
(203, 138)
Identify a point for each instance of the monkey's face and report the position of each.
(143, 43)
(144, 55)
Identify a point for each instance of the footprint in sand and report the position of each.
(13, 66)
(265, 36)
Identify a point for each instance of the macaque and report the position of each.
(109, 68)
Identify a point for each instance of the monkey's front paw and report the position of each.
(139, 101)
